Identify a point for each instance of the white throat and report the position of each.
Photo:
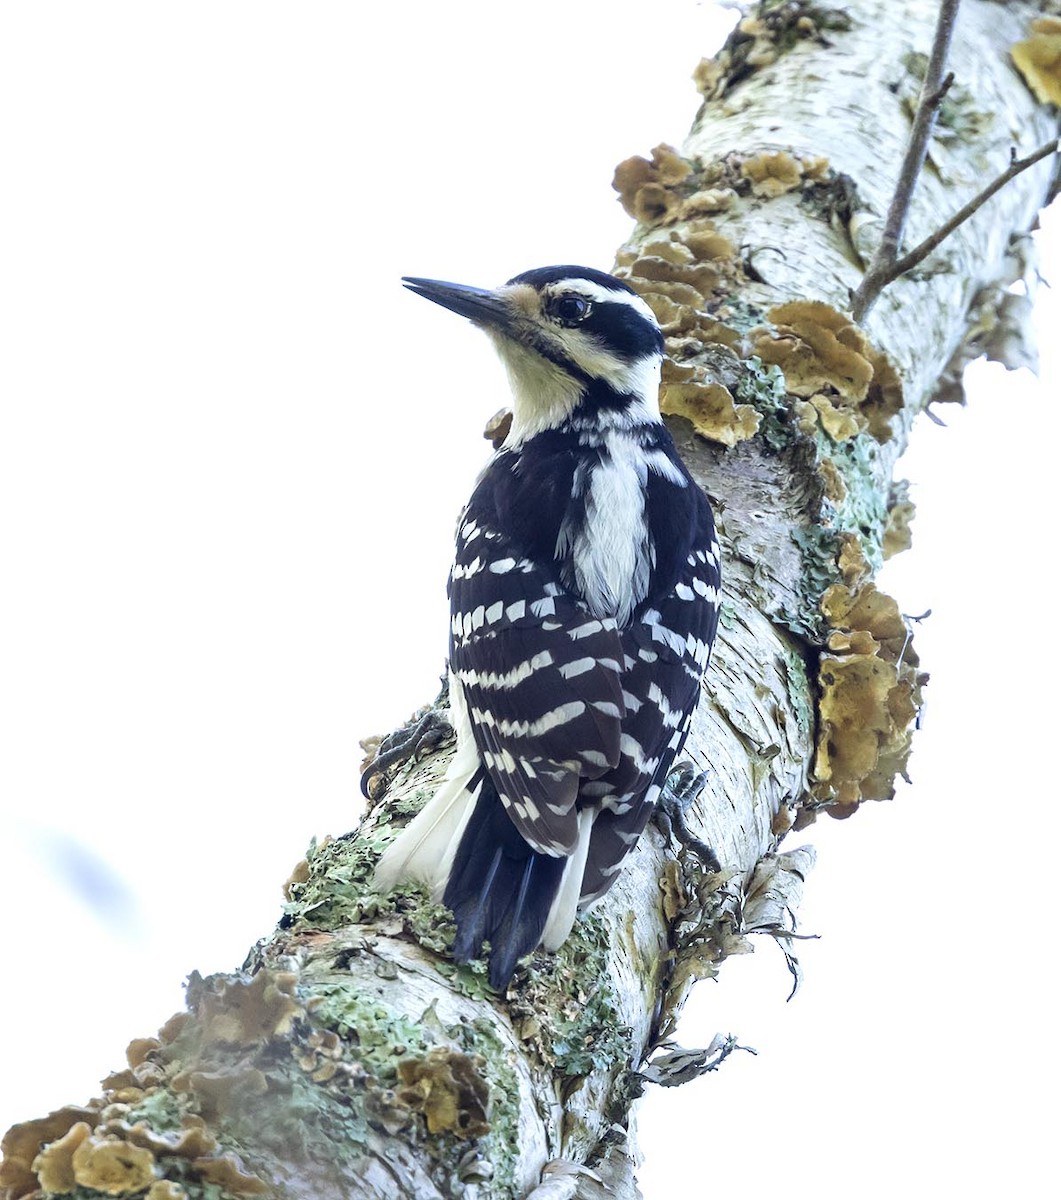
(544, 395)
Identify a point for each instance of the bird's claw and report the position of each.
(412, 741)
(683, 786)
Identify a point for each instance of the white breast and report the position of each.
(612, 552)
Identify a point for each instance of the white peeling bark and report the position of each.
(837, 101)
(384, 1038)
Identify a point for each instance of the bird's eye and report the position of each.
(571, 310)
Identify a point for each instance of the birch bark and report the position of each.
(350, 1057)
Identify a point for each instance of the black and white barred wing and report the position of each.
(540, 678)
(666, 653)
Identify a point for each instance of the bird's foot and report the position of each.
(419, 737)
(683, 786)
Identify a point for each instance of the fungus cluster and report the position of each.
(841, 382)
(668, 188)
(649, 188)
(897, 533)
(199, 1064)
(773, 172)
(759, 38)
(167, 1126)
(1038, 58)
(833, 388)
(448, 1088)
(688, 270)
(98, 1150)
(870, 690)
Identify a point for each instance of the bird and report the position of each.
(584, 599)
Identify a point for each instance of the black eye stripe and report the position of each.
(625, 332)
(616, 325)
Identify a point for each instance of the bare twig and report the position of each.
(933, 89)
(925, 248)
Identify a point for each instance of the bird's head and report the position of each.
(573, 340)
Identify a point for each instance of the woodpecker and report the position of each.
(584, 603)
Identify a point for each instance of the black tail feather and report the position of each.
(506, 947)
(472, 930)
(500, 890)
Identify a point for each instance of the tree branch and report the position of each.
(933, 89)
(351, 1058)
(920, 252)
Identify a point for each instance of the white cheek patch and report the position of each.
(638, 378)
(584, 349)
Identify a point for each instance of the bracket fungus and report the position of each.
(229, 1174)
(760, 37)
(22, 1145)
(108, 1165)
(245, 1013)
(646, 187)
(449, 1089)
(870, 694)
(54, 1165)
(711, 409)
(827, 361)
(772, 173)
(1038, 58)
(166, 1189)
(898, 535)
(148, 1133)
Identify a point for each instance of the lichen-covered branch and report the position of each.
(350, 1057)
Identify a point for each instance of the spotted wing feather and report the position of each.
(541, 678)
(665, 653)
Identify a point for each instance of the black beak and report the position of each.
(480, 305)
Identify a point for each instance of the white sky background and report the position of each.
(232, 450)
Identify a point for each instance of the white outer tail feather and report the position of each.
(425, 849)
(564, 908)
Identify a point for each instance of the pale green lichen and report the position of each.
(374, 1035)
(162, 1110)
(500, 1146)
(763, 387)
(856, 507)
(727, 615)
(339, 889)
(575, 1004)
(341, 1120)
(864, 510)
(738, 314)
(819, 548)
(799, 690)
